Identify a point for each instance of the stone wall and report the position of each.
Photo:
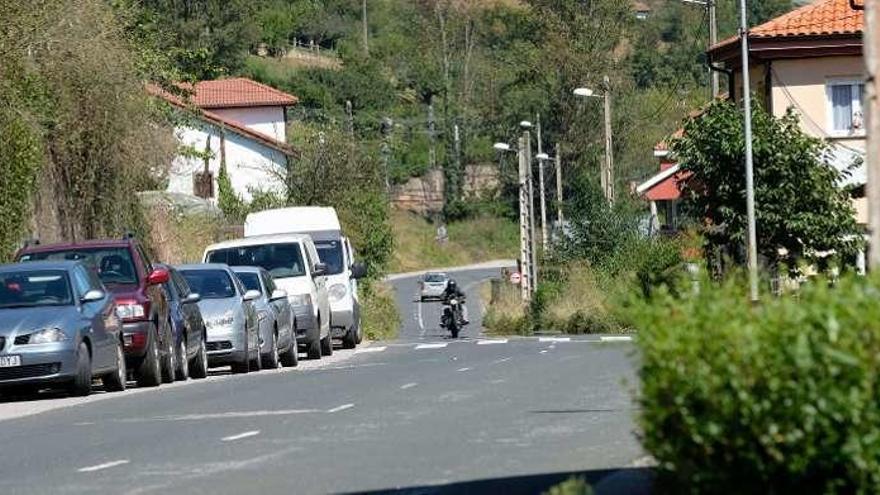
(425, 194)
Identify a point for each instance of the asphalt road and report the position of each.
(423, 414)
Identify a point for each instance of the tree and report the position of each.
(801, 208)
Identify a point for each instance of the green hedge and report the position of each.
(781, 397)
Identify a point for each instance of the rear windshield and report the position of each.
(435, 277)
(28, 289)
(280, 260)
(251, 281)
(330, 253)
(113, 265)
(210, 284)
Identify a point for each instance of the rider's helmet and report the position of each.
(452, 285)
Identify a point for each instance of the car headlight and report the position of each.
(337, 292)
(223, 321)
(130, 311)
(300, 299)
(46, 336)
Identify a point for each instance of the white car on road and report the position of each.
(292, 261)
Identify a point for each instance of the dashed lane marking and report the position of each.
(408, 385)
(554, 339)
(370, 349)
(544, 351)
(431, 346)
(463, 369)
(106, 465)
(502, 360)
(491, 341)
(246, 434)
(615, 338)
(341, 408)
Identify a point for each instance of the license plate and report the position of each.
(10, 361)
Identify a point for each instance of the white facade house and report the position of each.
(236, 123)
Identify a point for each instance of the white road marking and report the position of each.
(408, 385)
(246, 434)
(341, 408)
(544, 351)
(431, 346)
(554, 339)
(421, 320)
(615, 338)
(464, 369)
(502, 360)
(370, 349)
(106, 465)
(491, 341)
(223, 415)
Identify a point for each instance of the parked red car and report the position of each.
(141, 302)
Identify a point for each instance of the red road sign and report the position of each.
(515, 278)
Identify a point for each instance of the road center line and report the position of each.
(554, 339)
(491, 341)
(421, 319)
(246, 434)
(544, 351)
(615, 338)
(341, 408)
(464, 369)
(502, 360)
(408, 385)
(430, 346)
(106, 465)
(370, 349)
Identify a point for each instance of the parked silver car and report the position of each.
(277, 335)
(432, 285)
(58, 326)
(230, 316)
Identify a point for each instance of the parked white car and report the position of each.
(292, 261)
(335, 251)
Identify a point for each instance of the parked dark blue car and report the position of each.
(188, 327)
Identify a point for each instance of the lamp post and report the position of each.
(607, 175)
(542, 158)
(750, 169)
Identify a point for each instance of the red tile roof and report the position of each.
(237, 92)
(221, 121)
(823, 18)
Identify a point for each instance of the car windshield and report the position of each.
(250, 280)
(280, 260)
(435, 278)
(25, 289)
(113, 265)
(210, 284)
(330, 253)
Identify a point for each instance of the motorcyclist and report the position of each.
(453, 292)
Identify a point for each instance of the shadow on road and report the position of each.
(627, 481)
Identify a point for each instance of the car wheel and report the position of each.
(350, 339)
(290, 357)
(244, 365)
(82, 381)
(270, 360)
(169, 361)
(116, 380)
(327, 346)
(314, 349)
(199, 366)
(148, 373)
(182, 372)
(256, 363)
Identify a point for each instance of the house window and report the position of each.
(845, 100)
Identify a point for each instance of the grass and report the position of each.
(379, 315)
(505, 314)
(586, 301)
(470, 241)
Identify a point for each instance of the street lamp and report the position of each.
(607, 175)
(502, 147)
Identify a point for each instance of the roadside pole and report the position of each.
(872, 64)
(608, 176)
(525, 242)
(559, 185)
(541, 188)
(713, 40)
(530, 184)
(750, 172)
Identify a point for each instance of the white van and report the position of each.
(334, 249)
(295, 266)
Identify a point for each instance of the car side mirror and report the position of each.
(279, 294)
(319, 270)
(92, 296)
(358, 271)
(192, 298)
(251, 295)
(158, 276)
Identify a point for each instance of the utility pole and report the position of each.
(387, 128)
(872, 93)
(530, 184)
(608, 172)
(366, 29)
(750, 172)
(544, 235)
(713, 40)
(432, 136)
(525, 238)
(559, 185)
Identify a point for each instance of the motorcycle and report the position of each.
(452, 318)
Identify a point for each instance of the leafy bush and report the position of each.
(571, 486)
(775, 398)
(379, 315)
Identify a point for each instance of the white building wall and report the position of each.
(251, 165)
(266, 120)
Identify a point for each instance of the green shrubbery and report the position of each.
(779, 397)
